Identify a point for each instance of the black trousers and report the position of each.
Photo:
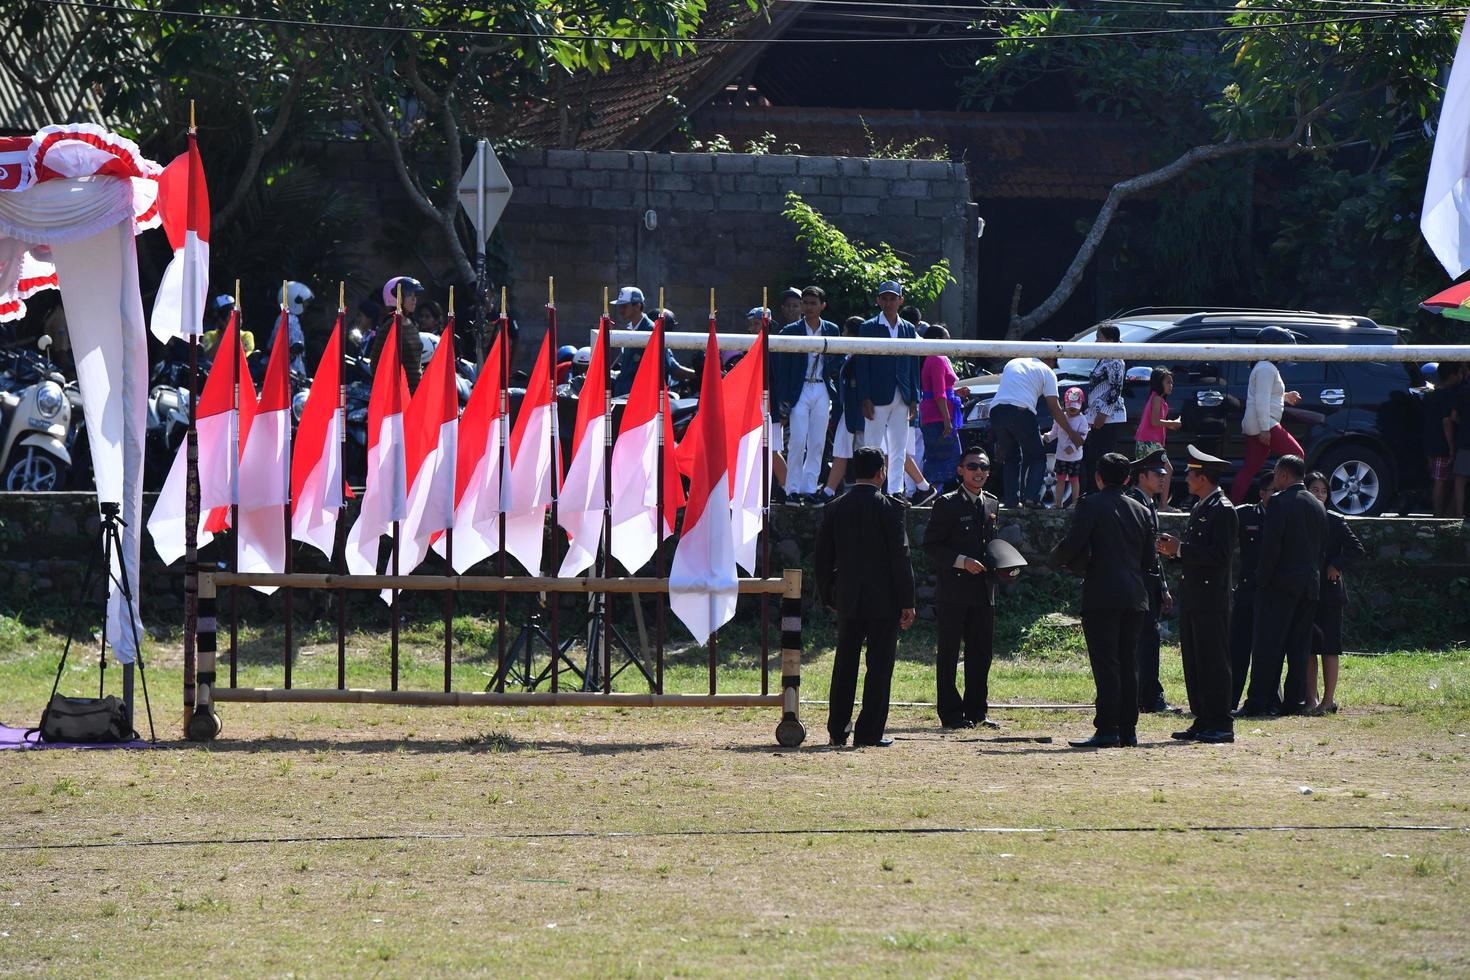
(974, 626)
(1242, 630)
(1283, 633)
(1100, 442)
(1204, 646)
(1150, 691)
(881, 637)
(1112, 645)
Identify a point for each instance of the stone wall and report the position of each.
(579, 216)
(1411, 589)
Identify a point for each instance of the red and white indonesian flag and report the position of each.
(744, 391)
(430, 433)
(1445, 218)
(582, 503)
(702, 579)
(178, 309)
(477, 469)
(317, 484)
(219, 424)
(265, 470)
(635, 534)
(385, 499)
(533, 468)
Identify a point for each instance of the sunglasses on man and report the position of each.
(977, 466)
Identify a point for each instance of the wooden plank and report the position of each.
(472, 583)
(583, 699)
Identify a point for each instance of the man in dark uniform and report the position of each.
(1151, 478)
(1287, 587)
(1207, 552)
(1249, 518)
(960, 528)
(864, 576)
(1110, 532)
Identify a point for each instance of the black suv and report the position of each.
(1357, 421)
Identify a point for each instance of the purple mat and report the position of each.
(13, 738)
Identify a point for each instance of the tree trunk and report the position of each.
(1020, 326)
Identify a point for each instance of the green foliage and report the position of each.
(850, 271)
(923, 148)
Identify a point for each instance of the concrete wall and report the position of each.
(45, 539)
(578, 215)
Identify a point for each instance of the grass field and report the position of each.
(324, 840)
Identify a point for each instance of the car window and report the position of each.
(1081, 367)
(1193, 372)
(1302, 372)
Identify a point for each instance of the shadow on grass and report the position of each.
(494, 743)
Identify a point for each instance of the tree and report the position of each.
(1259, 78)
(851, 271)
(443, 71)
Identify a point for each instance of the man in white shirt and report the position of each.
(1265, 402)
(1024, 382)
(801, 396)
(889, 385)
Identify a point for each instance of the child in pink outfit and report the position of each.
(1068, 465)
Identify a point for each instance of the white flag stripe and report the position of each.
(265, 462)
(746, 509)
(579, 507)
(383, 501)
(477, 518)
(430, 502)
(216, 476)
(1445, 218)
(702, 585)
(315, 518)
(178, 306)
(635, 496)
(529, 492)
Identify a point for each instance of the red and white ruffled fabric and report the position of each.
(51, 207)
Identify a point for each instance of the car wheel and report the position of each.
(35, 470)
(1360, 482)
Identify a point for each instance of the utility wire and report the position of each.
(202, 16)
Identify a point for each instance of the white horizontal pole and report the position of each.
(1417, 353)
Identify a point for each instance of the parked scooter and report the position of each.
(35, 416)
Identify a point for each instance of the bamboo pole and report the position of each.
(504, 422)
(585, 699)
(1001, 349)
(556, 478)
(287, 635)
(474, 583)
(339, 544)
(393, 612)
(449, 534)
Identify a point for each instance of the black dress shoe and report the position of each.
(1128, 741)
(986, 723)
(837, 742)
(1095, 742)
(882, 743)
(957, 724)
(1255, 713)
(1188, 735)
(1215, 737)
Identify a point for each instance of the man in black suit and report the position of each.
(1286, 597)
(1249, 520)
(1207, 552)
(864, 576)
(1110, 533)
(1150, 478)
(960, 528)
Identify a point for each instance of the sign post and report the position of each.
(484, 191)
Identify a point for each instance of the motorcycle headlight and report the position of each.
(49, 399)
(298, 404)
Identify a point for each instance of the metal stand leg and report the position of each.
(790, 733)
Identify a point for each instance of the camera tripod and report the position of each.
(110, 540)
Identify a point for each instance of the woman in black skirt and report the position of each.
(1340, 549)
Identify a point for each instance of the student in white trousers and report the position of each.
(801, 390)
(889, 385)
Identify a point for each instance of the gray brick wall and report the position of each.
(579, 216)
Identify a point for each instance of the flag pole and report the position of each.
(714, 328)
(235, 458)
(340, 545)
(550, 599)
(604, 332)
(393, 612)
(191, 502)
(766, 450)
(503, 330)
(658, 515)
(449, 539)
(286, 510)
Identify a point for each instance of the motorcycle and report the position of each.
(35, 418)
